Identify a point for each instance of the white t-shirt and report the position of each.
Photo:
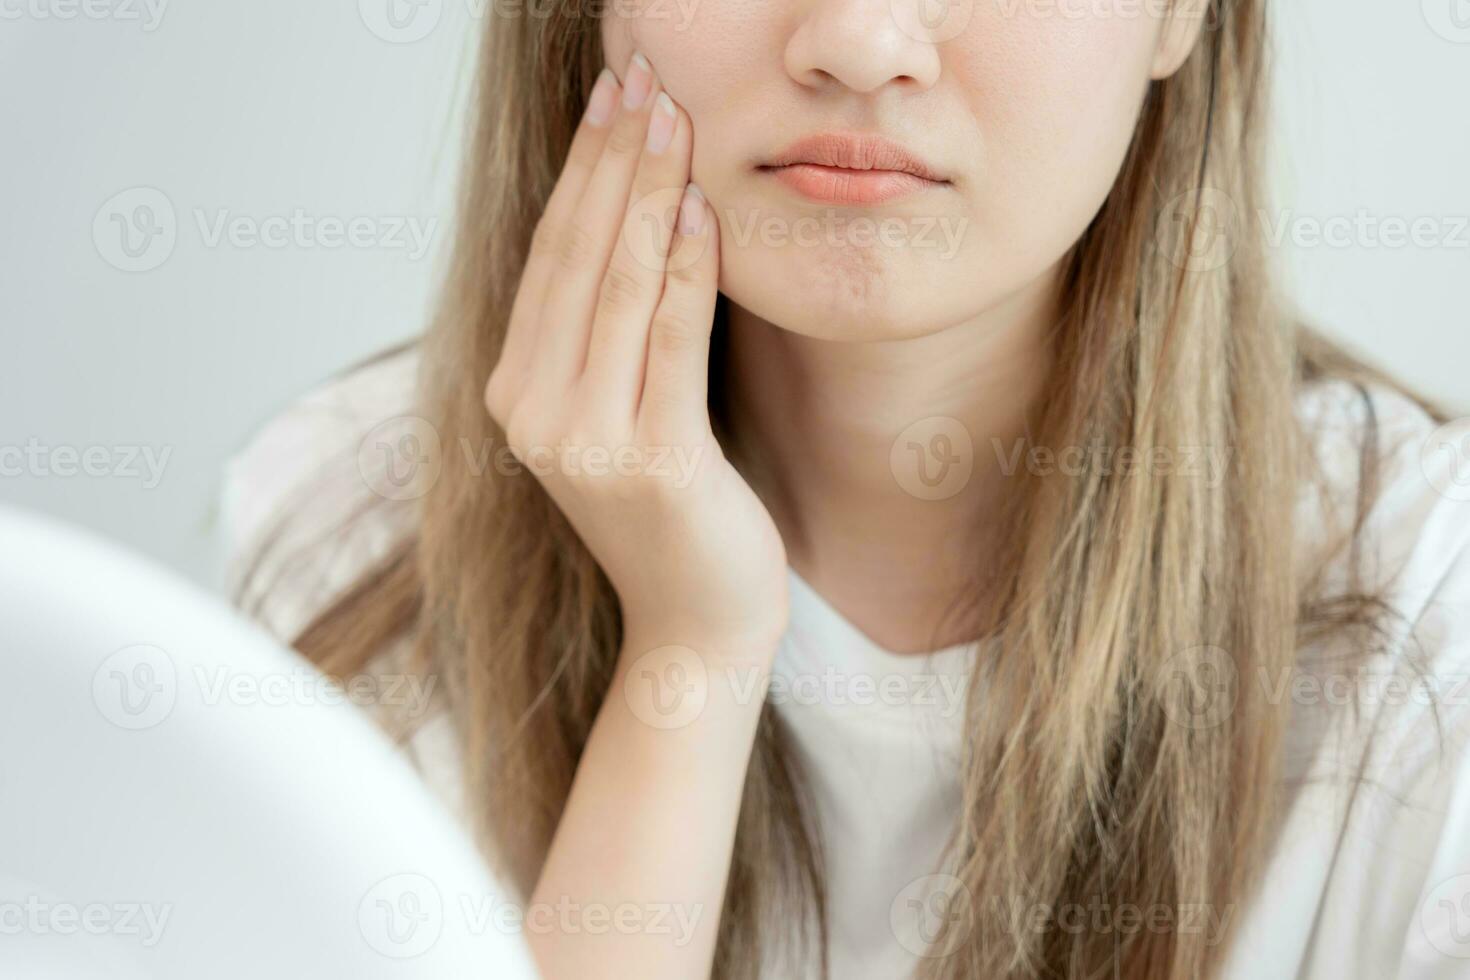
(1370, 877)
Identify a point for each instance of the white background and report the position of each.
(272, 107)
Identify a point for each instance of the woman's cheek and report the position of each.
(703, 51)
(1056, 102)
(721, 62)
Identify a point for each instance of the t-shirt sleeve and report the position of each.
(301, 522)
(299, 518)
(1434, 753)
(1396, 888)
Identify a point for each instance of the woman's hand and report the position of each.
(601, 389)
(602, 383)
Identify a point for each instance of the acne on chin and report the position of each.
(852, 293)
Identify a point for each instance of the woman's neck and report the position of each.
(821, 418)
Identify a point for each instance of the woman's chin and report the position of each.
(846, 297)
(852, 322)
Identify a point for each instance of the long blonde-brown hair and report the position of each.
(1080, 785)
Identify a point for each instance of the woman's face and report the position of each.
(1020, 110)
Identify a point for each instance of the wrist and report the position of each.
(746, 644)
(697, 691)
(747, 633)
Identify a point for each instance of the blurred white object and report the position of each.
(183, 798)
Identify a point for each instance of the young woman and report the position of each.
(924, 546)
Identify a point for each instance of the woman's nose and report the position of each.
(860, 45)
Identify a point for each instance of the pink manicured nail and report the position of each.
(661, 126)
(691, 212)
(603, 101)
(638, 83)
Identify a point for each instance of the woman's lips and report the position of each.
(851, 168)
(842, 186)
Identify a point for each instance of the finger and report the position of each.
(587, 239)
(513, 368)
(676, 383)
(635, 274)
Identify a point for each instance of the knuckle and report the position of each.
(544, 238)
(576, 246)
(659, 406)
(527, 425)
(672, 332)
(689, 272)
(626, 138)
(582, 156)
(516, 433)
(621, 289)
(498, 396)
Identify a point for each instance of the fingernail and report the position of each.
(603, 101)
(638, 83)
(691, 212)
(661, 126)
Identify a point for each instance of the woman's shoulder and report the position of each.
(1392, 513)
(304, 509)
(1386, 461)
(308, 508)
(1381, 722)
